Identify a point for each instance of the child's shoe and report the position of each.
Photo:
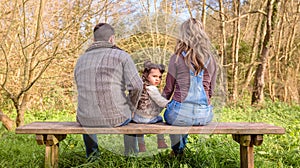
(161, 144)
(142, 147)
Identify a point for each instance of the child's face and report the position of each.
(154, 77)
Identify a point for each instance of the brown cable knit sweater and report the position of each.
(108, 86)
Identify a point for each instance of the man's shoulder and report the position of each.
(121, 55)
(120, 52)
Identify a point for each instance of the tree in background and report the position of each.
(259, 81)
(40, 40)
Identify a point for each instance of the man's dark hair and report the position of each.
(103, 31)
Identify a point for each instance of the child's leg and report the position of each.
(130, 144)
(160, 137)
(141, 138)
(141, 143)
(161, 141)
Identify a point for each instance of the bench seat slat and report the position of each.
(159, 128)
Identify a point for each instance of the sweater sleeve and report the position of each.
(156, 96)
(170, 79)
(133, 81)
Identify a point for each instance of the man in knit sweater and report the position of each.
(108, 86)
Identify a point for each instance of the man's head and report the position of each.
(104, 32)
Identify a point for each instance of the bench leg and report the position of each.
(52, 146)
(51, 156)
(247, 149)
(246, 156)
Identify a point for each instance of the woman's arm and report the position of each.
(170, 79)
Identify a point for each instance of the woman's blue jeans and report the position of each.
(186, 114)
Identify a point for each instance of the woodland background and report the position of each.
(257, 43)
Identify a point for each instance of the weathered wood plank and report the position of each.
(132, 128)
(246, 148)
(54, 156)
(48, 153)
(51, 151)
(257, 140)
(247, 156)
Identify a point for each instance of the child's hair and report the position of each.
(148, 65)
(145, 101)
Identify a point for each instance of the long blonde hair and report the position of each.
(195, 43)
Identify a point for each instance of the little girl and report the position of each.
(151, 102)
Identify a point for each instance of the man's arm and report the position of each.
(133, 81)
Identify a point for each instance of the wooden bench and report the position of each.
(246, 134)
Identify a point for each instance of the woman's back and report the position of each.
(178, 78)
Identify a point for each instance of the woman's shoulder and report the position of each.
(174, 59)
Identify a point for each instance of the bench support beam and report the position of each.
(247, 149)
(52, 146)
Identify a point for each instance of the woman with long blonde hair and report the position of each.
(190, 82)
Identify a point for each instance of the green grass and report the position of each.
(217, 151)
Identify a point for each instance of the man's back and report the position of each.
(102, 76)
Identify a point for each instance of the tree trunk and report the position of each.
(223, 44)
(290, 83)
(259, 82)
(21, 110)
(278, 53)
(189, 8)
(8, 123)
(248, 20)
(297, 76)
(255, 43)
(235, 50)
(203, 17)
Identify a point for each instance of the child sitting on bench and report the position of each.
(151, 102)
